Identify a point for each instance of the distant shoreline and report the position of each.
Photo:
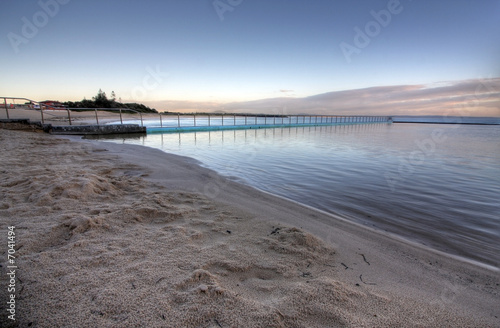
(421, 122)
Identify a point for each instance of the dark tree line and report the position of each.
(102, 101)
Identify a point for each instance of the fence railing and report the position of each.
(207, 120)
(96, 110)
(36, 105)
(181, 120)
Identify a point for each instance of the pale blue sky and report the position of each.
(182, 50)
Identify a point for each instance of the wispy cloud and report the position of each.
(473, 97)
(468, 97)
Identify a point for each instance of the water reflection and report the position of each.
(447, 199)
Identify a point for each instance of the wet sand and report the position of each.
(115, 235)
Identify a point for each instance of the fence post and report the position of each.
(222, 119)
(69, 117)
(178, 120)
(41, 112)
(234, 119)
(142, 123)
(161, 122)
(96, 118)
(6, 108)
(121, 119)
(194, 119)
(208, 119)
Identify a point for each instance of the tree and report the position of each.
(101, 100)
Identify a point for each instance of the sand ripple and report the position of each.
(100, 247)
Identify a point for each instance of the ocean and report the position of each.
(434, 184)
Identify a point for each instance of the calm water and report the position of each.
(435, 184)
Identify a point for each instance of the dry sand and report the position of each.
(60, 117)
(127, 236)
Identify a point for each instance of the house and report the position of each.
(52, 104)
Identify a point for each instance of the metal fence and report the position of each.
(171, 120)
(178, 121)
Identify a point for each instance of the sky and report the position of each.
(231, 54)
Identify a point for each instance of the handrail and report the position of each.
(286, 120)
(109, 109)
(16, 98)
(68, 109)
(205, 120)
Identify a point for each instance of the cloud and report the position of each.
(185, 106)
(479, 97)
(471, 97)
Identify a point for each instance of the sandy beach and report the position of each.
(88, 117)
(112, 235)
